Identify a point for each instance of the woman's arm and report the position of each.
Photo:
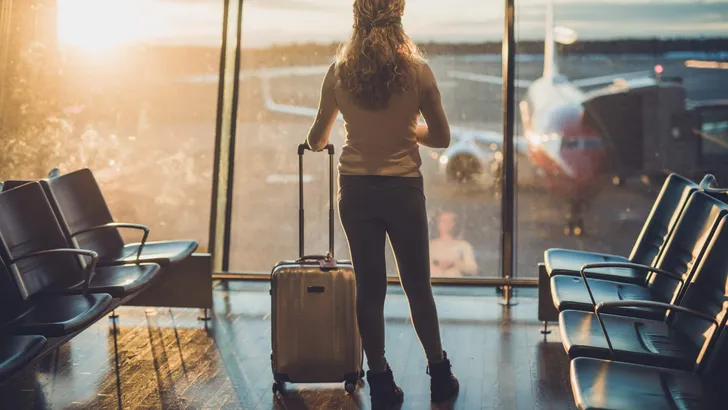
(467, 264)
(436, 134)
(318, 135)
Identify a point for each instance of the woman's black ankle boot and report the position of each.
(443, 384)
(383, 390)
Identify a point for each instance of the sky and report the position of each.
(268, 22)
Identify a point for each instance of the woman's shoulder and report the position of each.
(331, 77)
(424, 73)
(332, 70)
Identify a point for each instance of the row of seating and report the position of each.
(64, 265)
(649, 330)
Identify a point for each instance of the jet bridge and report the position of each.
(652, 131)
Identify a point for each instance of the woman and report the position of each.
(451, 256)
(380, 84)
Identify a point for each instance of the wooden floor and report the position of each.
(167, 359)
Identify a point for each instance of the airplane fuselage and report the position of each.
(560, 142)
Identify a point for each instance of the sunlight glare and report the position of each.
(99, 25)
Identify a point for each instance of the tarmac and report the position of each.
(169, 189)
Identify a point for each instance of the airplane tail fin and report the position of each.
(550, 67)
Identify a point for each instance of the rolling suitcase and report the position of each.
(315, 338)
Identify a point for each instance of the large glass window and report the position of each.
(286, 51)
(714, 132)
(606, 109)
(127, 88)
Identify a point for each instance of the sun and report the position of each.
(100, 25)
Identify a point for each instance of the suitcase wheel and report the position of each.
(350, 387)
(278, 387)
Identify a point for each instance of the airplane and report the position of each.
(558, 140)
(561, 142)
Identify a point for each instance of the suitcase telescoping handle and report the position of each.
(330, 257)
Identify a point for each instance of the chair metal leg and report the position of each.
(545, 330)
(116, 363)
(204, 314)
(113, 315)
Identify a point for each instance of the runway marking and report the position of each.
(287, 178)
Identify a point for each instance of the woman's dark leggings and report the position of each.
(372, 207)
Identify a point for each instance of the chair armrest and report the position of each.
(652, 304)
(90, 268)
(647, 304)
(584, 267)
(617, 265)
(115, 225)
(630, 265)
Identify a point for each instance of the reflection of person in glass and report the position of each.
(449, 255)
(381, 85)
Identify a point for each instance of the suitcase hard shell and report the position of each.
(314, 332)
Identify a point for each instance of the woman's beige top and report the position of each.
(382, 142)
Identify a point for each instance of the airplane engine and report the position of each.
(472, 162)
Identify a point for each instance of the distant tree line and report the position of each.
(315, 53)
(181, 60)
(620, 46)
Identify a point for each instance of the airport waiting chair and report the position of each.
(18, 351)
(29, 226)
(27, 309)
(87, 222)
(665, 282)
(647, 248)
(13, 183)
(687, 331)
(599, 384)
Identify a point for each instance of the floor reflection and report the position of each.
(167, 358)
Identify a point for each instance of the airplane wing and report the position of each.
(484, 78)
(458, 132)
(286, 109)
(292, 71)
(582, 82)
(487, 137)
(609, 79)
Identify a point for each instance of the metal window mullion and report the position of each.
(228, 90)
(508, 208)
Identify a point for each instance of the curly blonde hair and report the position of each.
(379, 58)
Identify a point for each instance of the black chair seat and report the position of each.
(569, 293)
(569, 262)
(605, 385)
(163, 253)
(59, 315)
(634, 340)
(124, 280)
(17, 351)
